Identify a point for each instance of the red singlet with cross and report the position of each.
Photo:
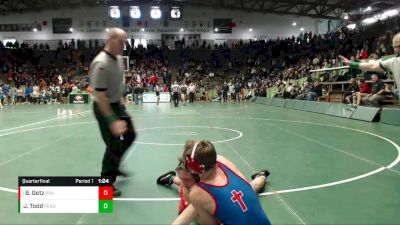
(235, 202)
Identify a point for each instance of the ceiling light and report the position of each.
(351, 26)
(370, 20)
(389, 13)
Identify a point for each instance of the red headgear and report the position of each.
(192, 163)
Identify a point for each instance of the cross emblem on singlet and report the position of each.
(237, 197)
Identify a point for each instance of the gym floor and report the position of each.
(324, 169)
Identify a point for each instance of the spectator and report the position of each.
(35, 93)
(364, 90)
(378, 92)
(315, 92)
(303, 95)
(237, 92)
(28, 94)
(362, 54)
(225, 91)
(288, 91)
(2, 97)
(138, 94)
(192, 91)
(350, 90)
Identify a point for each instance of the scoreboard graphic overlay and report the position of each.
(65, 195)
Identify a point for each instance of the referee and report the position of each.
(176, 93)
(106, 76)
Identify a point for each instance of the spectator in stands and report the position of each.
(289, 91)
(42, 84)
(391, 65)
(2, 97)
(20, 94)
(237, 92)
(200, 93)
(350, 90)
(28, 93)
(184, 93)
(315, 92)
(364, 90)
(231, 91)
(138, 93)
(35, 93)
(67, 89)
(5, 89)
(250, 96)
(11, 95)
(304, 91)
(219, 93)
(249, 62)
(281, 91)
(192, 91)
(124, 90)
(158, 89)
(75, 89)
(376, 56)
(225, 90)
(57, 93)
(362, 54)
(378, 92)
(261, 92)
(153, 80)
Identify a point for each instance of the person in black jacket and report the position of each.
(138, 93)
(350, 90)
(315, 92)
(225, 90)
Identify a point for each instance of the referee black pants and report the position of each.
(115, 146)
(175, 98)
(191, 97)
(225, 96)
